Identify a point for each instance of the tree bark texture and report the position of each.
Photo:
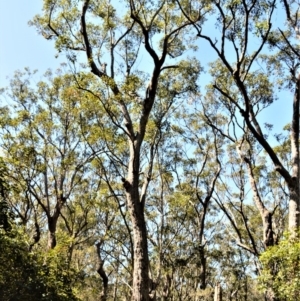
(140, 283)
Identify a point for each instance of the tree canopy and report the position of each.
(142, 171)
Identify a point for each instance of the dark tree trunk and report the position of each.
(202, 268)
(102, 273)
(52, 222)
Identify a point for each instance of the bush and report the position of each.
(27, 276)
(281, 269)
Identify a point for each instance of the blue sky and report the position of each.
(20, 45)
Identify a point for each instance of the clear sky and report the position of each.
(20, 45)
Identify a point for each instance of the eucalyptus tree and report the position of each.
(252, 196)
(128, 46)
(244, 76)
(209, 162)
(44, 147)
(249, 176)
(179, 214)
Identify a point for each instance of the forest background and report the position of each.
(150, 185)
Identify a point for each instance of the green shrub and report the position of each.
(281, 269)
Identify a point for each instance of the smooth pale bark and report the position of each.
(218, 292)
(294, 208)
(167, 288)
(292, 180)
(294, 204)
(266, 215)
(270, 296)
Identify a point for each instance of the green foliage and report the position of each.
(27, 276)
(281, 269)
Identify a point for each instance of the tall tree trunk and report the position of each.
(140, 281)
(292, 179)
(294, 204)
(201, 222)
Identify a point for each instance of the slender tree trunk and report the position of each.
(202, 257)
(293, 179)
(201, 221)
(218, 292)
(102, 273)
(36, 236)
(167, 288)
(266, 215)
(70, 252)
(115, 289)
